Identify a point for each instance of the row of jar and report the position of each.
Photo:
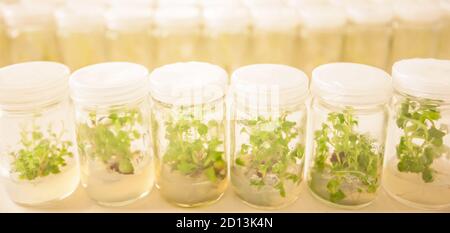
(228, 36)
(184, 134)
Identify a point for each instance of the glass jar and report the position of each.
(417, 171)
(81, 36)
(188, 124)
(31, 32)
(444, 45)
(268, 130)
(177, 33)
(274, 32)
(112, 127)
(349, 113)
(368, 34)
(416, 30)
(227, 36)
(129, 36)
(4, 44)
(38, 162)
(321, 36)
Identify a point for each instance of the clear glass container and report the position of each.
(178, 34)
(349, 126)
(444, 44)
(31, 32)
(4, 43)
(188, 124)
(129, 36)
(81, 36)
(268, 131)
(321, 36)
(417, 170)
(416, 30)
(368, 34)
(274, 32)
(38, 159)
(227, 36)
(113, 131)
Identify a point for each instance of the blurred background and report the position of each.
(230, 33)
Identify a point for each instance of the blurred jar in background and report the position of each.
(81, 35)
(321, 36)
(444, 41)
(129, 37)
(177, 3)
(132, 3)
(221, 3)
(177, 33)
(226, 31)
(416, 29)
(274, 31)
(4, 44)
(31, 31)
(368, 34)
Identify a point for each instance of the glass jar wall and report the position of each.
(80, 35)
(112, 127)
(268, 130)
(38, 162)
(178, 34)
(274, 33)
(349, 123)
(368, 34)
(416, 30)
(444, 44)
(321, 36)
(129, 36)
(188, 124)
(417, 171)
(31, 32)
(227, 36)
(4, 42)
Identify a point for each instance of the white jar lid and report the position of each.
(226, 3)
(256, 3)
(425, 78)
(80, 18)
(274, 18)
(188, 83)
(269, 86)
(178, 16)
(351, 84)
(366, 12)
(109, 84)
(319, 16)
(28, 16)
(235, 19)
(445, 5)
(132, 3)
(172, 3)
(127, 18)
(425, 11)
(31, 85)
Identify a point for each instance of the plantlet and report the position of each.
(109, 139)
(271, 151)
(40, 155)
(346, 157)
(195, 148)
(422, 141)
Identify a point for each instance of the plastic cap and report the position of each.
(178, 16)
(426, 11)
(322, 16)
(188, 83)
(226, 18)
(351, 84)
(274, 17)
(129, 18)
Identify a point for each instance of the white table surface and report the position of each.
(79, 202)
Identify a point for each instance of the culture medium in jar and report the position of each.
(268, 131)
(4, 43)
(129, 36)
(38, 160)
(188, 124)
(178, 34)
(31, 32)
(274, 32)
(227, 36)
(349, 113)
(417, 170)
(112, 128)
(444, 38)
(368, 33)
(416, 29)
(81, 36)
(321, 36)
